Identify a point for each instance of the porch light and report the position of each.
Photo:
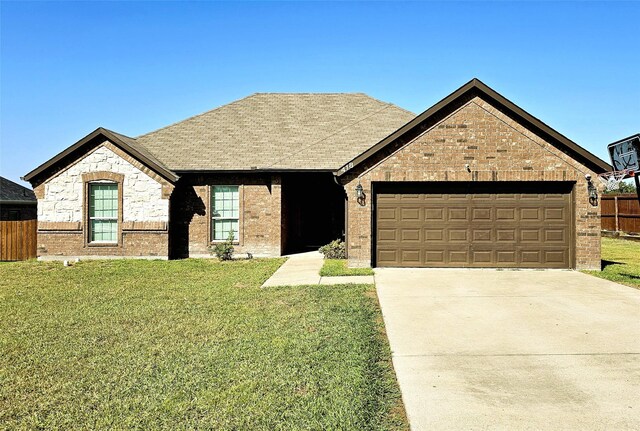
(359, 191)
(593, 191)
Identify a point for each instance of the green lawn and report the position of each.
(337, 267)
(189, 344)
(620, 262)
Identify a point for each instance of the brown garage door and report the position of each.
(492, 225)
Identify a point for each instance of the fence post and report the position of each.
(615, 198)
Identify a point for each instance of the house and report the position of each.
(16, 202)
(473, 181)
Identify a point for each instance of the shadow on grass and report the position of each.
(605, 263)
(632, 276)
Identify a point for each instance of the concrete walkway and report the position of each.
(304, 268)
(513, 350)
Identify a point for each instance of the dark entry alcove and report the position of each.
(184, 204)
(313, 211)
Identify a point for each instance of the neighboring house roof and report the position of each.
(127, 144)
(277, 131)
(13, 193)
(472, 88)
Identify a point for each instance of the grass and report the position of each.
(191, 344)
(620, 262)
(338, 267)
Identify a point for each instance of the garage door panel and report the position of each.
(482, 256)
(506, 257)
(458, 257)
(409, 214)
(481, 214)
(458, 235)
(531, 230)
(506, 235)
(506, 214)
(457, 197)
(387, 214)
(458, 213)
(551, 214)
(530, 214)
(482, 235)
(411, 256)
(531, 197)
(555, 236)
(555, 256)
(434, 235)
(388, 257)
(505, 197)
(530, 256)
(435, 256)
(530, 235)
(410, 235)
(434, 214)
(385, 235)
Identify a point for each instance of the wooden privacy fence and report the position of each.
(18, 239)
(621, 213)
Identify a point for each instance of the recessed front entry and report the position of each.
(478, 224)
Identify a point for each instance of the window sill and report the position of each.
(103, 244)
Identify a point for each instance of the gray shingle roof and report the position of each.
(12, 192)
(277, 131)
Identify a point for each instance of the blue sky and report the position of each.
(69, 67)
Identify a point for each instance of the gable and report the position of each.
(492, 102)
(85, 145)
(477, 142)
(144, 193)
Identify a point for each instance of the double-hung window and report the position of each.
(225, 212)
(103, 213)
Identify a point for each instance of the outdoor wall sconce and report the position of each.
(593, 191)
(360, 196)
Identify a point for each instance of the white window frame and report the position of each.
(93, 218)
(214, 218)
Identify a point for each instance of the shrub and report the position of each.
(334, 250)
(224, 250)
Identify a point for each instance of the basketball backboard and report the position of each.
(624, 154)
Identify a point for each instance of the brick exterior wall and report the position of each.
(496, 148)
(58, 244)
(260, 214)
(143, 207)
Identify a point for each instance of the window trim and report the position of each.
(93, 219)
(101, 177)
(210, 218)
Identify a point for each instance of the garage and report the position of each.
(474, 181)
(474, 224)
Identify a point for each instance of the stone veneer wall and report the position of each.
(260, 213)
(497, 148)
(145, 208)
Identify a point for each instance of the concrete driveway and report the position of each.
(513, 350)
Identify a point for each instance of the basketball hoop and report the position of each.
(612, 180)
